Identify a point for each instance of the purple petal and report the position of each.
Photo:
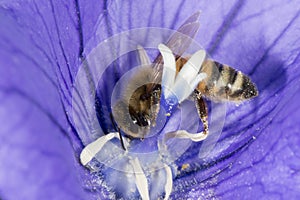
(43, 44)
(246, 160)
(39, 56)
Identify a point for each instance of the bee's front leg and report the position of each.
(203, 115)
(202, 111)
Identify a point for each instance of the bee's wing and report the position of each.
(182, 39)
(178, 43)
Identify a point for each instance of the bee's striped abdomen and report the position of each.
(222, 82)
(225, 83)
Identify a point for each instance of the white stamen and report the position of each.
(191, 86)
(190, 70)
(196, 137)
(169, 182)
(169, 69)
(89, 152)
(188, 77)
(140, 179)
(198, 78)
(143, 56)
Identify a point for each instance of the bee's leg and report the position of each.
(202, 111)
(121, 139)
(119, 131)
(196, 137)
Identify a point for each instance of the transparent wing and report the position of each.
(178, 43)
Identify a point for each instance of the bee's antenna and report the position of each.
(119, 131)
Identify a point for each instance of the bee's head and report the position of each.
(144, 105)
(136, 102)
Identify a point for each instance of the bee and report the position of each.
(136, 109)
(223, 83)
(136, 112)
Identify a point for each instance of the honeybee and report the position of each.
(136, 112)
(223, 83)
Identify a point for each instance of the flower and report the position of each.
(44, 43)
